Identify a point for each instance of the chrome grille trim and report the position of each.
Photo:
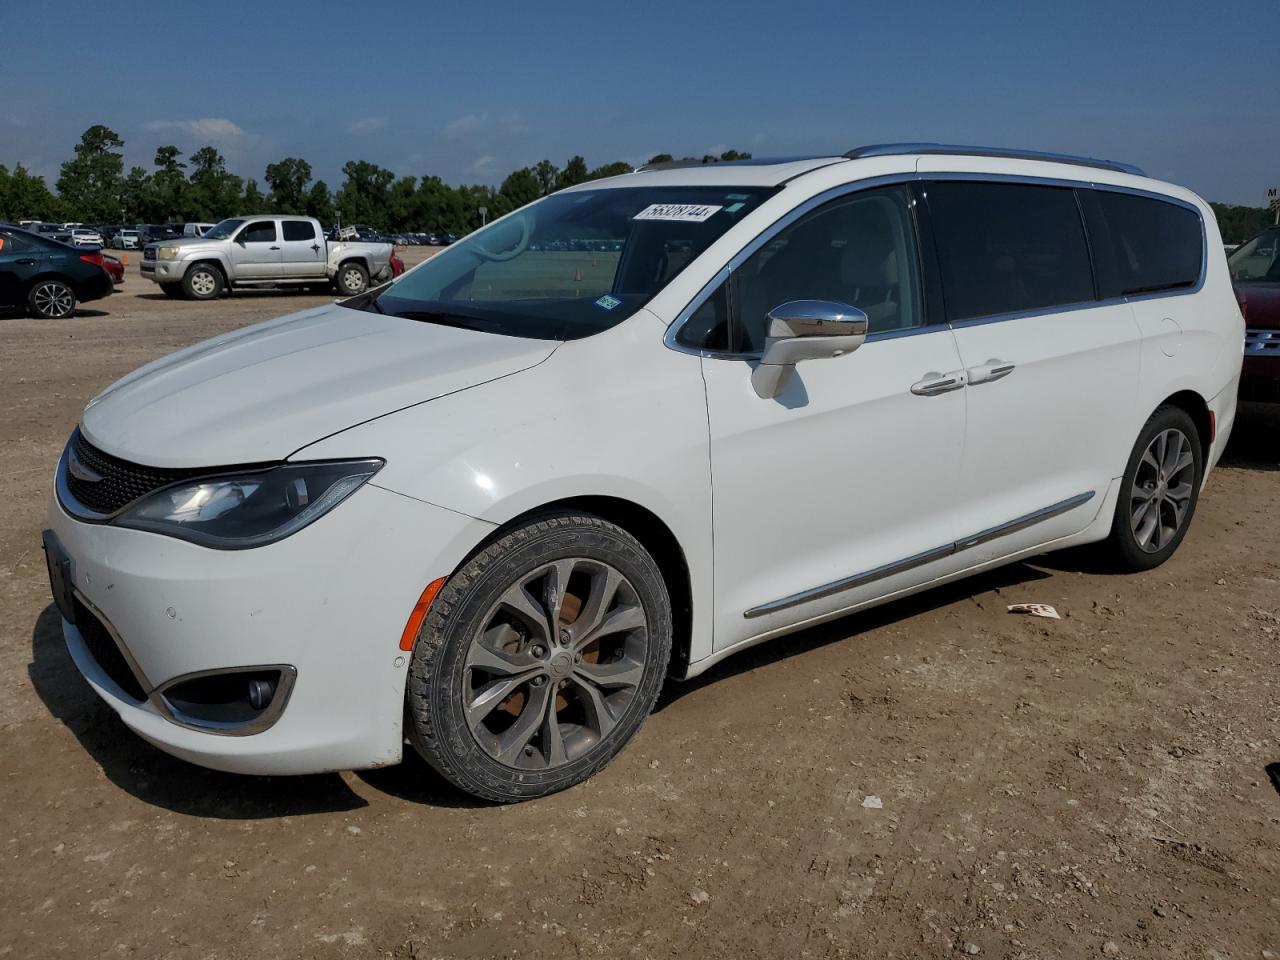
(1262, 342)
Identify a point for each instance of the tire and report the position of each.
(202, 282)
(525, 714)
(1159, 491)
(51, 299)
(352, 278)
(172, 290)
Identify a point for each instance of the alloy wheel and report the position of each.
(203, 283)
(353, 281)
(558, 660)
(1162, 490)
(53, 299)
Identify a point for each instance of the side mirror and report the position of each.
(240, 238)
(805, 330)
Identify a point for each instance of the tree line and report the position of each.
(93, 187)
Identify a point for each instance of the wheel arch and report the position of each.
(1197, 408)
(654, 534)
(213, 262)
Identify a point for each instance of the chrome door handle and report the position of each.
(275, 248)
(991, 370)
(936, 383)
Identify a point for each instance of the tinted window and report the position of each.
(14, 243)
(1142, 245)
(260, 231)
(708, 327)
(1259, 259)
(299, 230)
(858, 250)
(1007, 248)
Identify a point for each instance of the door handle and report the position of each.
(25, 261)
(275, 248)
(989, 371)
(936, 383)
(315, 246)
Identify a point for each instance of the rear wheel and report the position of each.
(1159, 492)
(352, 278)
(540, 658)
(202, 282)
(52, 300)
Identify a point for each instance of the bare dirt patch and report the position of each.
(1091, 786)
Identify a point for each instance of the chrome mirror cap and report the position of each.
(805, 330)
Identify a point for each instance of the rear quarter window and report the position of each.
(1141, 244)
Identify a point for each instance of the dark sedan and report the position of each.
(1255, 271)
(46, 277)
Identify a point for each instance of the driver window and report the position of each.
(260, 231)
(858, 250)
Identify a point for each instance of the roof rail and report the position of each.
(948, 149)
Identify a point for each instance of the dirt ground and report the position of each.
(1095, 786)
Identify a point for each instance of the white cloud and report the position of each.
(483, 166)
(510, 125)
(464, 126)
(362, 128)
(216, 129)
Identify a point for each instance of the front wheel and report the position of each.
(202, 282)
(1159, 492)
(540, 658)
(51, 300)
(352, 279)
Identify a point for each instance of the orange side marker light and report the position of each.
(419, 614)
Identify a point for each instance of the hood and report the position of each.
(259, 394)
(184, 243)
(1260, 303)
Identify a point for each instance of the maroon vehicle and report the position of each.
(1255, 273)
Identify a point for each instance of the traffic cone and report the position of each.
(125, 259)
(577, 276)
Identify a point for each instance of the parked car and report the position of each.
(265, 250)
(1255, 269)
(85, 237)
(159, 232)
(475, 506)
(127, 239)
(46, 277)
(114, 268)
(196, 229)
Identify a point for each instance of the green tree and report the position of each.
(134, 196)
(610, 170)
(288, 179)
(215, 193)
(253, 200)
(1239, 224)
(363, 195)
(91, 183)
(520, 187)
(661, 158)
(574, 172)
(320, 204)
(25, 196)
(168, 198)
(546, 173)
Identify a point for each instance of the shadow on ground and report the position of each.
(1255, 438)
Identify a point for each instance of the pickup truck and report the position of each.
(266, 250)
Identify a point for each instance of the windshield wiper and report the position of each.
(447, 319)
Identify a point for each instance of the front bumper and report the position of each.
(162, 271)
(329, 602)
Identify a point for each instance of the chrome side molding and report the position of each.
(920, 559)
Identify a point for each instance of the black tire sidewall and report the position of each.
(438, 666)
(1128, 552)
(203, 268)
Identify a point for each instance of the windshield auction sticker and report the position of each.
(681, 212)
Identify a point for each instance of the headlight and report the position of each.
(249, 509)
(167, 253)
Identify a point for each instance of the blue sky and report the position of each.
(470, 91)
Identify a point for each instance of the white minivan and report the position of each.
(626, 431)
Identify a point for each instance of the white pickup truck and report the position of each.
(268, 250)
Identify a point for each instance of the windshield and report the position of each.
(1259, 259)
(223, 229)
(572, 264)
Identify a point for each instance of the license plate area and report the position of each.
(60, 582)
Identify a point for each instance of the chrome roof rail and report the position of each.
(948, 149)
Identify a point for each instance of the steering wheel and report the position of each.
(526, 233)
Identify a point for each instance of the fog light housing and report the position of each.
(236, 701)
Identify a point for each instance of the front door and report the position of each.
(302, 251)
(833, 492)
(255, 252)
(19, 262)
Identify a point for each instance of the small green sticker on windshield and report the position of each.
(734, 208)
(607, 302)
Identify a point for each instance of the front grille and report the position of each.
(148, 253)
(122, 482)
(1262, 342)
(106, 654)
